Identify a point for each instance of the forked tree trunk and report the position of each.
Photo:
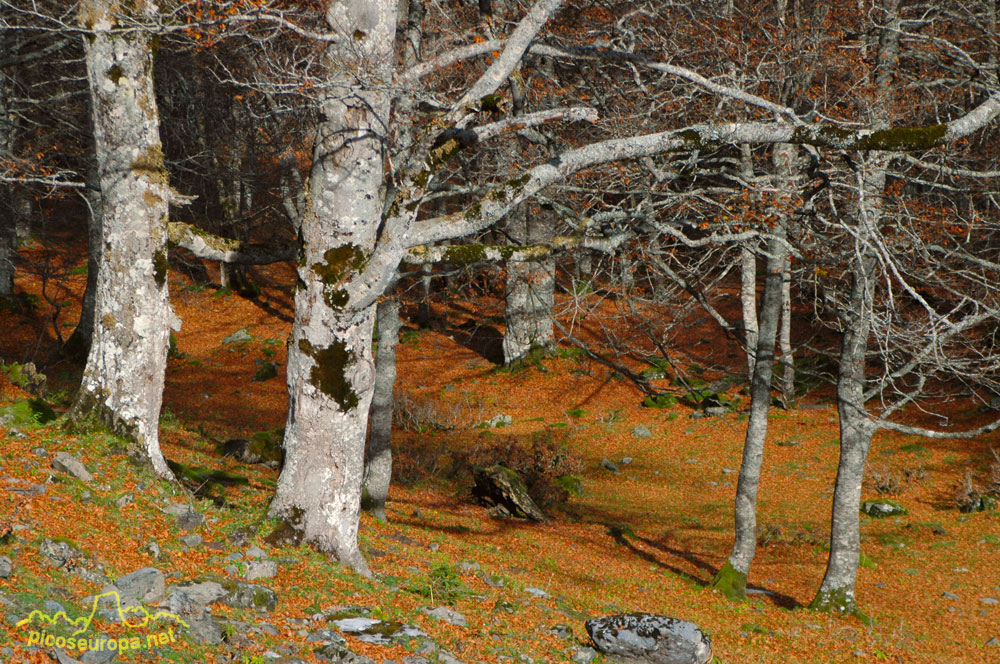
(123, 380)
(378, 462)
(330, 368)
(731, 580)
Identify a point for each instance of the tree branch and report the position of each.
(236, 252)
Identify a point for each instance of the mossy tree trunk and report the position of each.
(123, 379)
(330, 368)
(731, 579)
(378, 462)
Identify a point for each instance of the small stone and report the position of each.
(69, 464)
(447, 615)
(6, 567)
(124, 500)
(497, 421)
(716, 411)
(191, 541)
(626, 461)
(948, 595)
(40, 452)
(238, 336)
(537, 592)
(993, 642)
(202, 629)
(729, 471)
(584, 655)
(882, 508)
(642, 431)
(261, 569)
(190, 520)
(989, 600)
(607, 464)
(561, 631)
(256, 552)
(467, 566)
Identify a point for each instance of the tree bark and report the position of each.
(123, 379)
(78, 344)
(8, 212)
(330, 369)
(378, 464)
(748, 302)
(732, 578)
(530, 294)
(837, 590)
(785, 339)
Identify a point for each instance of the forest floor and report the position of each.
(647, 537)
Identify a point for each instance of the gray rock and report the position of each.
(467, 566)
(375, 631)
(192, 540)
(261, 569)
(716, 411)
(69, 464)
(993, 642)
(102, 656)
(59, 553)
(497, 421)
(324, 636)
(445, 657)
(238, 336)
(144, 586)
(63, 658)
(53, 607)
(882, 508)
(40, 452)
(241, 595)
(537, 592)
(948, 595)
(561, 631)
(446, 614)
(6, 567)
(124, 500)
(203, 629)
(339, 654)
(584, 655)
(989, 600)
(650, 639)
(642, 431)
(190, 519)
(154, 550)
(197, 594)
(414, 659)
(607, 464)
(256, 552)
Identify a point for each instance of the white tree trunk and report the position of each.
(123, 380)
(748, 302)
(78, 344)
(330, 368)
(785, 340)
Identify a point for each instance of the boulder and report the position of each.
(6, 567)
(882, 508)
(144, 586)
(646, 638)
(501, 487)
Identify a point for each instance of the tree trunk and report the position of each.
(732, 578)
(748, 300)
(8, 213)
(78, 344)
(378, 465)
(785, 340)
(123, 380)
(837, 590)
(530, 293)
(330, 369)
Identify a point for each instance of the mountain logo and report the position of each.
(130, 616)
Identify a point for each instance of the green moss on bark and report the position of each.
(329, 374)
(838, 600)
(160, 267)
(730, 582)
